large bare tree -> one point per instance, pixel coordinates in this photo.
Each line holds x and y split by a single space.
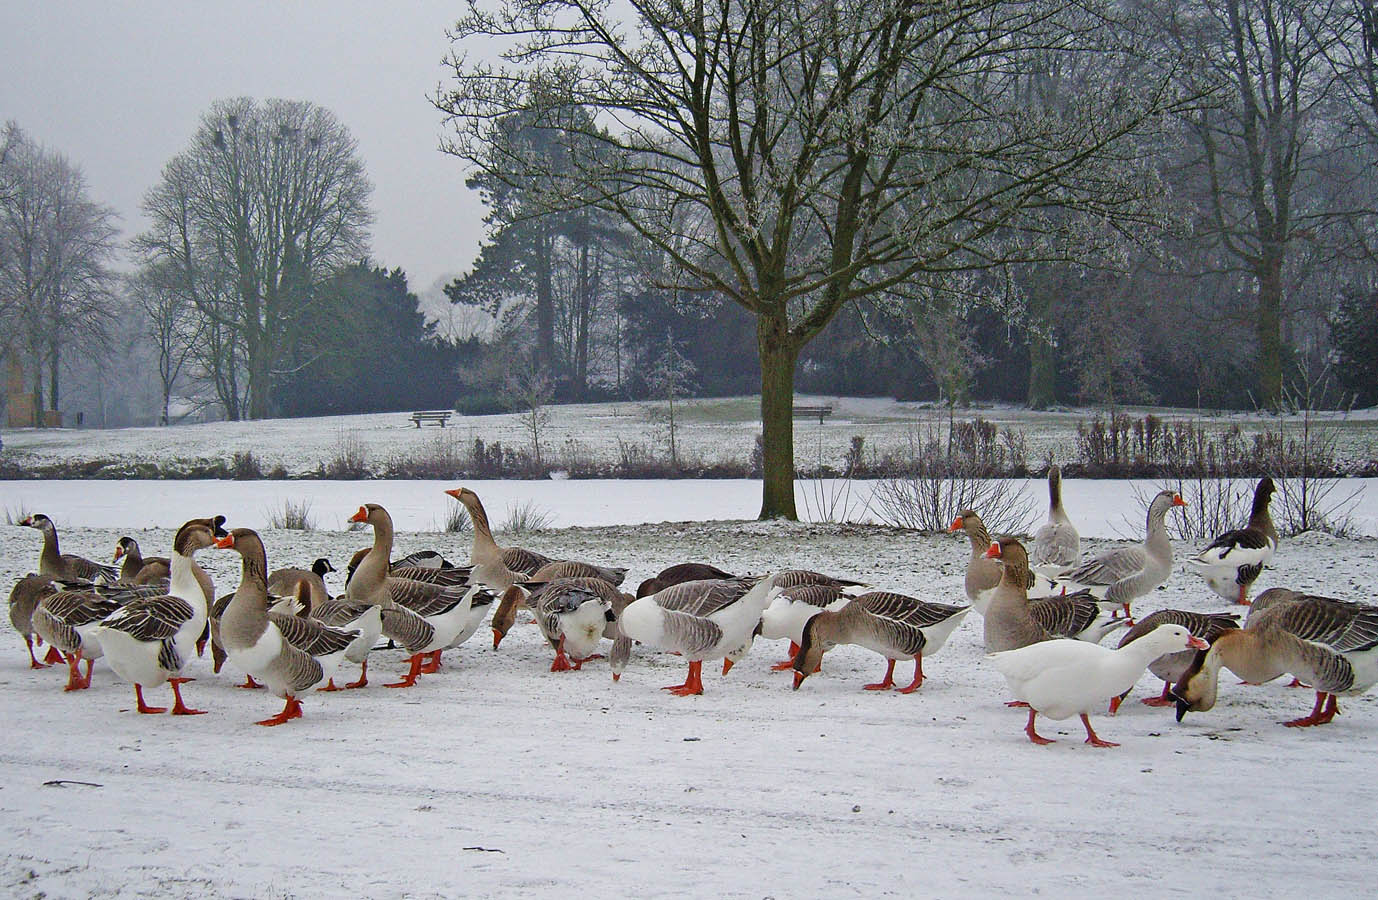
798 155
267 200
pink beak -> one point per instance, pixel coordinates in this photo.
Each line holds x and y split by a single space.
1197 643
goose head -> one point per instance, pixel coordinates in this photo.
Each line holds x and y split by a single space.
811 647
464 495
965 521
1164 501
1195 691
1012 556
38 521
126 546
322 566
195 534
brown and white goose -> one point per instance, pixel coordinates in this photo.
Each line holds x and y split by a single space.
65 566
1172 666
893 625
1124 574
283 582
289 654
148 641
1330 644
492 564
24 599
574 615
421 617
983 574
1232 562
66 620
1013 620
136 569
1056 544
516 596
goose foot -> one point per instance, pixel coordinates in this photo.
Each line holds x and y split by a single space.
918 677
1091 737
886 683
1296 682
1243 595
561 662
433 666
53 657
1016 704
144 707
179 708
410 678
1163 699
1034 736
33 660
784 664
329 686
693 684
363 676
1321 713
249 683
74 680
578 661
291 711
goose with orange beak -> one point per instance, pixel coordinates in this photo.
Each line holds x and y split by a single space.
1124 574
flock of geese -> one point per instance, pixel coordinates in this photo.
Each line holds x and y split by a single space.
1045 611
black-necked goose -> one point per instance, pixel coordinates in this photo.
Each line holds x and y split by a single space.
1330 644
1127 573
138 569
1056 544
283 582
1232 562
893 625
289 654
65 566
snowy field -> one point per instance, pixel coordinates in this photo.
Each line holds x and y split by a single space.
712 431
496 777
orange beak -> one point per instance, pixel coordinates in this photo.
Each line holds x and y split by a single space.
453 492
225 542
798 679
726 665
993 552
360 516
497 638
957 524
119 551
1178 501
1115 704
616 676
1197 643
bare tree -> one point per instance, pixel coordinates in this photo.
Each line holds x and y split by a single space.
263 205
797 155
171 324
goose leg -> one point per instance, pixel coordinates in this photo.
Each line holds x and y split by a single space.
180 708
918 676
1243 595
1163 699
74 682
144 707
1332 709
886 683
54 656
784 664
561 662
363 676
1091 736
86 681
433 666
577 663
692 684
1314 718
249 683
1034 735
410 678
33 660
292 710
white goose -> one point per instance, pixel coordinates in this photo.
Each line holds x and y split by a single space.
1061 679
699 620
792 609
148 641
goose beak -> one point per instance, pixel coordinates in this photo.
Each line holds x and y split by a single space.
993 552
497 638
798 679
1182 708
726 666
616 677
453 492
956 525
27 520
225 542
1178 501
360 516
1197 643
119 551
1115 704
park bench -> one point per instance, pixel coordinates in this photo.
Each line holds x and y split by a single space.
438 416
822 412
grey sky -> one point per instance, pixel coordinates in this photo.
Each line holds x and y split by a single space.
119 87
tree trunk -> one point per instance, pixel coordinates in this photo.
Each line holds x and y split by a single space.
545 304
779 354
1269 328
1042 360
53 359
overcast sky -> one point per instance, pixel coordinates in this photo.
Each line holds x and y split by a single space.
118 87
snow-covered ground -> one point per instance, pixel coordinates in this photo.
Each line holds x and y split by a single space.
496 777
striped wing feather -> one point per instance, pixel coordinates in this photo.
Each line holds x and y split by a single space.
316 638
152 618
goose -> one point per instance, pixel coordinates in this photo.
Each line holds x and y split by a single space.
289 654
678 574
1013 620
423 618
1126 573
488 559
893 625
148 641
24 598
283 582
1171 666
1060 679
65 566
1330 644
699 620
408 567
66 620
1232 562
136 569
574 615
983 574
516 594
1057 542
792 609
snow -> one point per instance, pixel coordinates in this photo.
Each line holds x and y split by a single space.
498 777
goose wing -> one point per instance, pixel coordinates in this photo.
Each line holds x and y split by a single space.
340 611
690 633
422 598
1110 567
526 562
1065 616
447 576
312 636
819 595
703 598
1339 625
151 618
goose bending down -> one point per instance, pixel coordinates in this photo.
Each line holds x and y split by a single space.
1057 542
485 554
1012 620
283 582
893 625
1330 644
1126 573
136 569
65 566
792 609
699 620
574 615
1061 679
289 654
149 640
1232 562
67 620
1172 666
24 599
983 574
423 618
678 574
516 595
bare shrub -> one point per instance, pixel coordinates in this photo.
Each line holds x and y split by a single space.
831 499
1214 505
292 515
244 466
526 518
456 519
349 460
16 514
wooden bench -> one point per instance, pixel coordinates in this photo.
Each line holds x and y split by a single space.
438 416
822 412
